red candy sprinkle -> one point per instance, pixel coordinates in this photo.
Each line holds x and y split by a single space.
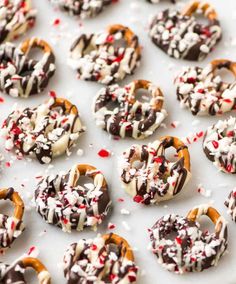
178 240
215 144
200 134
110 39
56 22
228 101
8 164
230 133
111 226
65 221
132 278
112 277
52 94
12 225
1 100
206 32
138 199
201 91
158 160
93 247
118 58
31 250
191 80
120 200
103 153
229 168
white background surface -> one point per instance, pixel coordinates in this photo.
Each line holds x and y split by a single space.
159 68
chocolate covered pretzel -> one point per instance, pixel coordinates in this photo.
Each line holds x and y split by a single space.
204 92
106 57
149 177
219 145
44 132
62 201
21 76
230 203
105 259
15 273
129 117
180 35
16 17
192 250
11 227
82 8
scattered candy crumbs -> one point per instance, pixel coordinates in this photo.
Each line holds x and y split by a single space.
7 164
120 200
103 153
56 22
52 94
124 211
193 137
80 152
203 191
111 226
175 124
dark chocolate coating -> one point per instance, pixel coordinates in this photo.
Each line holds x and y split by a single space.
122 112
125 269
181 255
82 8
202 35
30 77
59 190
15 16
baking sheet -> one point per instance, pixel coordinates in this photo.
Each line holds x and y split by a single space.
159 68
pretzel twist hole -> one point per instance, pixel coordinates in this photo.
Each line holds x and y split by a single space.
157 96
180 147
35 264
17 202
129 36
207 9
224 63
126 250
211 212
29 44
67 106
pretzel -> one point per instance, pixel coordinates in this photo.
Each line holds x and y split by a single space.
219 145
157 179
97 58
129 37
126 251
192 250
16 18
204 92
44 132
29 44
105 259
211 212
82 8
129 117
205 7
180 35
11 227
230 203
21 76
15 273
61 201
